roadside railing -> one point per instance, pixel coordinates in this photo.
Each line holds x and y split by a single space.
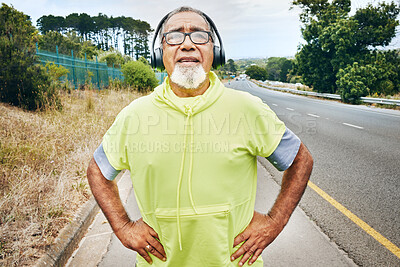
370 100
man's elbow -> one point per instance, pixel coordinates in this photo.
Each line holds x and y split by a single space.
90 168
93 172
304 160
309 161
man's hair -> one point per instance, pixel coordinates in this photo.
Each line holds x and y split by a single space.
180 10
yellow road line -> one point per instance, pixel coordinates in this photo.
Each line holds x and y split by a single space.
377 236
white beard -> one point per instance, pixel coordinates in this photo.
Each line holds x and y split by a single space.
188 77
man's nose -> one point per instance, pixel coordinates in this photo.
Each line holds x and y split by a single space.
187 43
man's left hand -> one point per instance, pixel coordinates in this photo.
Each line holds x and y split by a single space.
261 231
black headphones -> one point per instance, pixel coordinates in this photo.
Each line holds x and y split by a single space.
157 54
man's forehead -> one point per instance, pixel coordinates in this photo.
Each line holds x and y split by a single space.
184 20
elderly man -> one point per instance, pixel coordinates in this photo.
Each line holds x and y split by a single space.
191 147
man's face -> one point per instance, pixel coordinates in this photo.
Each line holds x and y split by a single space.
187 54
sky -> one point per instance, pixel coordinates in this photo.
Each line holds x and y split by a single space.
249 28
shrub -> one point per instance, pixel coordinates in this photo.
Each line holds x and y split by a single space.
55 71
43 94
139 75
353 82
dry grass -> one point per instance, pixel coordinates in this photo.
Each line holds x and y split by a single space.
43 161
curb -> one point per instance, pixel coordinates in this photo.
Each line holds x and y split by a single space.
68 240
70 236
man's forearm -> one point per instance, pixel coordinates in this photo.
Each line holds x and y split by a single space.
263 229
137 235
107 196
294 183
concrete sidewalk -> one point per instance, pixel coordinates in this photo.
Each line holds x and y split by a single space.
300 244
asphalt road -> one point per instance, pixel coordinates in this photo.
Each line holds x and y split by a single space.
356 152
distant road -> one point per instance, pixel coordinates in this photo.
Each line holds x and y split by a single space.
356 152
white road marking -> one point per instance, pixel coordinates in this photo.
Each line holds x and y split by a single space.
275 105
313 115
290 109
352 125
328 103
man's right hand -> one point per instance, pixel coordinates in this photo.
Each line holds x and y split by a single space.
140 237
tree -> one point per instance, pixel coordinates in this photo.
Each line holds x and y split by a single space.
51 23
51 39
85 26
278 68
231 66
72 22
113 58
102 24
140 33
377 25
23 83
66 43
257 73
105 32
335 41
386 72
286 67
314 58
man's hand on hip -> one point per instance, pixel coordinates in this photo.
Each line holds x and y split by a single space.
261 231
140 237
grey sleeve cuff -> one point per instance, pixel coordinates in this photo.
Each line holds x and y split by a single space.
284 154
105 167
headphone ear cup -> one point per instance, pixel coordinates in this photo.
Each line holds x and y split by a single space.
222 56
158 59
152 59
219 57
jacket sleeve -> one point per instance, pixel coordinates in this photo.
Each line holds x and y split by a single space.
113 151
283 156
266 129
108 171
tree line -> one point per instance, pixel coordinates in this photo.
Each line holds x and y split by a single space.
343 53
26 83
103 31
274 69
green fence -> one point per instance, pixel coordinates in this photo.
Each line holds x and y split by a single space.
161 76
81 71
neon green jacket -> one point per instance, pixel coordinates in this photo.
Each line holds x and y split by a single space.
193 167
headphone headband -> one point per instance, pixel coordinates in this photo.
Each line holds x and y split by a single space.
157 54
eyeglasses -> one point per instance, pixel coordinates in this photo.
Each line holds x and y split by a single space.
177 38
